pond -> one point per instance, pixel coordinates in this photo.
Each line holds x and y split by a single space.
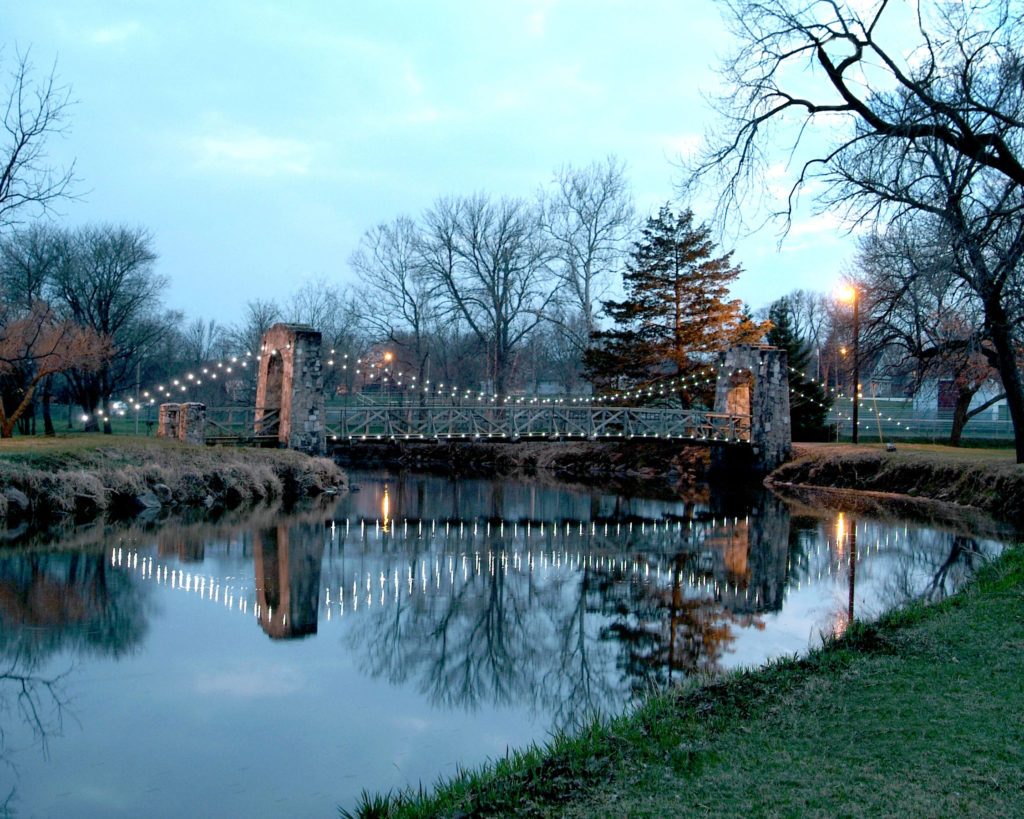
277 664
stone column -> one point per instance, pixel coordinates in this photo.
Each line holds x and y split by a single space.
169 423
753 378
291 382
192 423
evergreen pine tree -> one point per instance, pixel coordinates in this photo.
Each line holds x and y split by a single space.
808 401
676 313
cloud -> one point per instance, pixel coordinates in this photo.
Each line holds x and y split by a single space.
247 151
827 223
275 681
680 146
535 23
114 34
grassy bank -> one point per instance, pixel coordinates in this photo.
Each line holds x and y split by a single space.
985 479
918 714
87 476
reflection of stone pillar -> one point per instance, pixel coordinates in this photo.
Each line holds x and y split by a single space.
169 415
769 553
287 566
174 545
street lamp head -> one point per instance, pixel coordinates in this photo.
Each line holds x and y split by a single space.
847 293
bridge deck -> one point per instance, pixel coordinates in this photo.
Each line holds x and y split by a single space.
487 422
506 423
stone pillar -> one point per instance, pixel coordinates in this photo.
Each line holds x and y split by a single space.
168 426
183 422
290 390
192 423
753 378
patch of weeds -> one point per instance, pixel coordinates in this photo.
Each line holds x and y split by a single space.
373 806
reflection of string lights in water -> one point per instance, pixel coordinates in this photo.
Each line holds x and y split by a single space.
450 555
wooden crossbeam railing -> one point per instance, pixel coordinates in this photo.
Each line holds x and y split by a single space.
241 423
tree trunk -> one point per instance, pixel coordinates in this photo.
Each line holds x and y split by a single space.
91 422
1002 340
960 415
47 417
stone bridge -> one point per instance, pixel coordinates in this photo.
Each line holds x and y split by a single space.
751 410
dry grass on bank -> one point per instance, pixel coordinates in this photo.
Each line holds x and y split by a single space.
986 479
86 476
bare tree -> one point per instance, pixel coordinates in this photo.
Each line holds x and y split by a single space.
28 260
33 109
492 263
919 305
202 341
936 128
260 315
589 219
399 300
315 303
105 282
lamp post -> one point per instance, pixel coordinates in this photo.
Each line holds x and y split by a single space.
850 294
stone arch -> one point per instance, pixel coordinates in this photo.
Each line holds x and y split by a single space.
291 380
740 387
756 376
268 411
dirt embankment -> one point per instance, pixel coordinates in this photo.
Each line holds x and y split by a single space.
576 460
911 475
122 477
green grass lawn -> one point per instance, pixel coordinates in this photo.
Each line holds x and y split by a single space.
937 453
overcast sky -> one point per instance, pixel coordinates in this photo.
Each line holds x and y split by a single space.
257 141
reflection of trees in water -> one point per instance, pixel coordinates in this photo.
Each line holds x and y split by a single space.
661 629
68 602
931 565
479 643
576 639
913 562
51 603
29 697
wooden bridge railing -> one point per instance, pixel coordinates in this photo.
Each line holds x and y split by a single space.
515 423
241 423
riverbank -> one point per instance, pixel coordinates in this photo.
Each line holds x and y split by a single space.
915 714
909 477
935 480
635 459
86 477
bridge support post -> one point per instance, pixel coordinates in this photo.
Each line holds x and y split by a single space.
183 422
291 378
753 379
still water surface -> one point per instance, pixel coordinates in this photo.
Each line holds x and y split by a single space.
278 665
